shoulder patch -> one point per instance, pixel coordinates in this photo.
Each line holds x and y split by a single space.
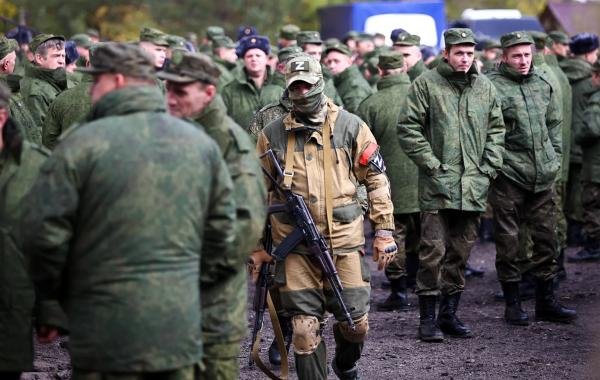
371 157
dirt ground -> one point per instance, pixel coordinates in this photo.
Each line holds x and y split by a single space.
541 350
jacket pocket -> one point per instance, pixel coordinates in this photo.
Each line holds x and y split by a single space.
347 213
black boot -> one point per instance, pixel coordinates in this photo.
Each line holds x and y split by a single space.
447 319
575 235
561 274
428 327
286 329
349 374
590 252
513 314
397 300
486 230
547 307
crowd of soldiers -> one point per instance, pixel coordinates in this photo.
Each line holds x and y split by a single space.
133 200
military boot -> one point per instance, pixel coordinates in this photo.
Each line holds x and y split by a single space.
349 374
513 314
428 327
547 307
286 329
397 300
561 274
590 252
447 319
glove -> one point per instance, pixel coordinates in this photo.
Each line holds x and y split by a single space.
384 248
255 261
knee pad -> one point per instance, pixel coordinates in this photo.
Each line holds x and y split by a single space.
306 334
358 335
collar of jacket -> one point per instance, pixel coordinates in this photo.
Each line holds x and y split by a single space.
448 72
551 59
513 74
285 100
56 77
213 114
245 79
290 123
576 69
417 69
228 65
538 59
393 80
130 99
348 74
12 81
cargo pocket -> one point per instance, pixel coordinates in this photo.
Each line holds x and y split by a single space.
347 213
364 267
279 279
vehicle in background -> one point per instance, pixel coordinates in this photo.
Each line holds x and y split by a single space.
493 23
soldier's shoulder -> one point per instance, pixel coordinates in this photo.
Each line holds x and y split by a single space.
240 137
36 150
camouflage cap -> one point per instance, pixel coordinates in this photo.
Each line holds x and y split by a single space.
7 46
122 58
155 36
175 41
339 47
93 32
82 40
351 35
303 68
284 54
41 38
559 37
192 67
490 44
407 39
289 32
309 37
331 42
214 31
364 37
4 95
539 39
390 60
459 36
223 42
516 38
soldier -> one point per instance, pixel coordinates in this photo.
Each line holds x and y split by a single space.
349 83
364 46
560 44
524 190
45 78
297 139
83 43
282 57
154 42
490 54
253 89
584 47
192 94
380 112
19 165
287 36
119 217
589 138
225 58
408 45
452 128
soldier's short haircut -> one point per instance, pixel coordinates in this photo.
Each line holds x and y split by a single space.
53 43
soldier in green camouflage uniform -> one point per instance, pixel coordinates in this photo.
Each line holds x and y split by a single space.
19 166
192 94
524 191
451 126
119 217
380 112
223 49
282 57
408 45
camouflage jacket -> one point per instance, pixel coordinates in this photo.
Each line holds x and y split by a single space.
19 112
589 138
69 107
352 88
418 69
354 161
269 113
119 217
39 88
225 69
224 303
454 136
533 117
18 171
243 99
380 112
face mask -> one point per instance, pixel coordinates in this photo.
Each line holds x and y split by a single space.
310 103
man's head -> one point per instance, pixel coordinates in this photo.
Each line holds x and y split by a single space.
490 49
154 42
83 42
311 43
213 32
364 44
287 35
94 34
305 84
285 55
585 46
540 41
48 51
224 48
379 40
338 58
408 45
191 84
8 55
350 40
391 63
517 51
460 48
560 43
117 65
254 50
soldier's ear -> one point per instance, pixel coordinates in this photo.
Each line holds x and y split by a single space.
211 90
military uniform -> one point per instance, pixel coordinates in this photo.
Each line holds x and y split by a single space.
407 39
119 217
452 128
269 113
352 88
225 67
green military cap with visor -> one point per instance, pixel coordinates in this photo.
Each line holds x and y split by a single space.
364 37
309 37
490 44
540 39
155 36
192 67
7 46
389 60
407 39
516 38
339 47
303 68
559 37
289 32
120 58
214 31
41 38
223 42
82 40
175 41
459 36
284 54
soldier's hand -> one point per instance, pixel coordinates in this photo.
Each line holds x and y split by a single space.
255 261
384 248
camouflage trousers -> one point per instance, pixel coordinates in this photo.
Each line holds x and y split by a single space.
514 207
406 235
221 361
573 206
447 237
591 213
184 373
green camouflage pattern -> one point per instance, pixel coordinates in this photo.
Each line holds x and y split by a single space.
19 113
69 107
352 88
39 88
269 113
117 220
225 68
221 361
455 137
533 117
380 112
591 213
418 69
589 138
